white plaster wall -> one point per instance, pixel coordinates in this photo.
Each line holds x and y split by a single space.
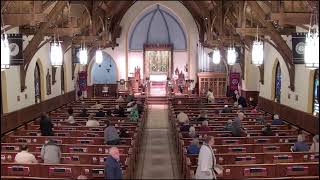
121 55
135 58
251 75
302 81
27 97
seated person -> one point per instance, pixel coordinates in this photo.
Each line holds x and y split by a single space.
46 125
194 147
226 109
182 117
119 111
210 96
109 112
216 113
70 118
315 144
203 115
236 128
192 132
100 113
260 119
123 133
111 136
254 110
235 104
276 120
228 125
242 101
131 105
120 99
205 126
300 145
92 122
134 114
130 97
24 157
51 153
267 131
84 113
97 105
185 127
251 102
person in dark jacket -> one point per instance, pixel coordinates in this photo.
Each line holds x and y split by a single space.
123 133
242 101
185 127
100 113
276 120
84 113
112 167
119 111
267 131
46 125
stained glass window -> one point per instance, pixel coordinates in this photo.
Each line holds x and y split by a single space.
316 93
278 83
62 79
37 86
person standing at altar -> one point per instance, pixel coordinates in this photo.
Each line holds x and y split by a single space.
210 96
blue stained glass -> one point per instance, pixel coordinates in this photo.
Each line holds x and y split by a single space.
278 83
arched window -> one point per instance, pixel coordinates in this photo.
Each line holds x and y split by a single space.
62 79
278 83
37 85
315 108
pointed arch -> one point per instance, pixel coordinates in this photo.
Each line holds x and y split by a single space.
42 80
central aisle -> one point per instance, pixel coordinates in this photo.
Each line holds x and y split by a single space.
157 157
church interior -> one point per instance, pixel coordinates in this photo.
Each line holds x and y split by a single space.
191 89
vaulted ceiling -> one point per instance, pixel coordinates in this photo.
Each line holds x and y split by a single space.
97 23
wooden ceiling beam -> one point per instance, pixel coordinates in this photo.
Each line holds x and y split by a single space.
24 19
291 18
31 48
52 31
282 46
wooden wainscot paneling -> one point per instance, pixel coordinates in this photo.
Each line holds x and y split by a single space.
248 94
15 119
302 119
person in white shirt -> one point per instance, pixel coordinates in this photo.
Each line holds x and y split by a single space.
120 99
182 117
97 105
315 145
210 96
206 160
70 118
24 156
92 122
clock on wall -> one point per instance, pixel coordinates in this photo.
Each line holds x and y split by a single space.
14 49
300 47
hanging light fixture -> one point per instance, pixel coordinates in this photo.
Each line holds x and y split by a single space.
99 56
232 56
5 49
311 49
83 55
216 56
257 51
5 52
56 54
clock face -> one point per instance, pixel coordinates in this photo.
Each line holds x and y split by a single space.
14 49
300 48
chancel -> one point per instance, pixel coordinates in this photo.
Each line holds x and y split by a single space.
159 89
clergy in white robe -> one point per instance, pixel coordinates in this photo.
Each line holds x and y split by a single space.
210 96
206 162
